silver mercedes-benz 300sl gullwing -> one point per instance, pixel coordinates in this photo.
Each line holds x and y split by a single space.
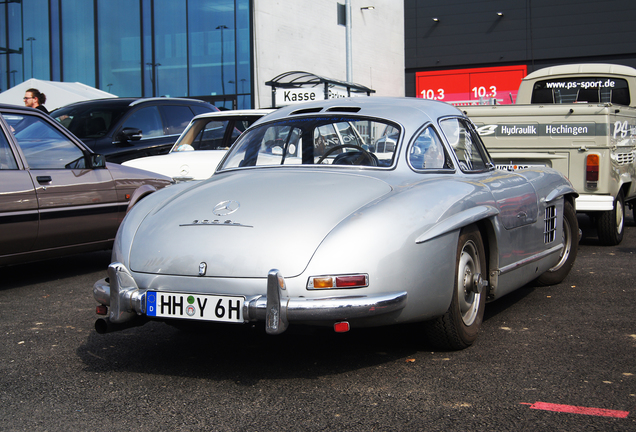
347 213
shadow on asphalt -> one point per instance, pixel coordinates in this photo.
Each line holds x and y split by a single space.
245 354
500 305
60 268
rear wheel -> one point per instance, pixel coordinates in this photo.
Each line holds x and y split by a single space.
570 248
611 224
459 326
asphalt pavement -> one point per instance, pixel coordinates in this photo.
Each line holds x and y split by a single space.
559 358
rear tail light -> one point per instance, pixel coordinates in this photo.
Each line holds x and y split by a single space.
351 281
336 282
592 162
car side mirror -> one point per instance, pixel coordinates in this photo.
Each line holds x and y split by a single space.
127 135
97 161
87 162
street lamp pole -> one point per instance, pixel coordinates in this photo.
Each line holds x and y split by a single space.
348 36
31 39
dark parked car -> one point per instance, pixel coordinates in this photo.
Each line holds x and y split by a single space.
57 197
128 128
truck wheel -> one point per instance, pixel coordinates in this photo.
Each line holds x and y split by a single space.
611 224
557 273
459 326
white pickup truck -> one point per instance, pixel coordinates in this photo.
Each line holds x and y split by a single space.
578 120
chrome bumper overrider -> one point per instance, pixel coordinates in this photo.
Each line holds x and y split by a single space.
126 300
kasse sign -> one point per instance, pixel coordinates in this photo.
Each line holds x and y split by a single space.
298 95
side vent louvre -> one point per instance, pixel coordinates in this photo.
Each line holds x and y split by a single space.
625 158
549 227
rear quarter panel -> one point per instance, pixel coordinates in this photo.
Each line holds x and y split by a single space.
381 240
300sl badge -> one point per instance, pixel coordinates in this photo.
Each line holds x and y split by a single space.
203 267
215 222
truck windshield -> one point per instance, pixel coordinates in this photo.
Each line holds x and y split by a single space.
581 90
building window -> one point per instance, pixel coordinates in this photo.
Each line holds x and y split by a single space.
78 42
196 48
119 47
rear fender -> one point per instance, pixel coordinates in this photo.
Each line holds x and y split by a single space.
457 221
482 217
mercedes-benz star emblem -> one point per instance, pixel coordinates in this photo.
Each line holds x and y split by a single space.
225 208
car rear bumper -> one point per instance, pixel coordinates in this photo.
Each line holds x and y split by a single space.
127 301
585 203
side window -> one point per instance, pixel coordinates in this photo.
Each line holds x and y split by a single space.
177 118
7 160
466 144
211 137
427 151
148 120
43 146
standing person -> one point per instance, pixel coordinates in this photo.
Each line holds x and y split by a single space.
34 99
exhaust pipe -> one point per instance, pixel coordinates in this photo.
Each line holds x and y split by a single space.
104 325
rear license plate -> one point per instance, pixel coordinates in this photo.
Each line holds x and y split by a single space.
195 306
515 167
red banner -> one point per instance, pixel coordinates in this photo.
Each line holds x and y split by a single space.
471 86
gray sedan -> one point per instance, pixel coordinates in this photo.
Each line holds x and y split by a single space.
57 197
312 218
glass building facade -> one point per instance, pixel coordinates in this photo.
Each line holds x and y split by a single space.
193 48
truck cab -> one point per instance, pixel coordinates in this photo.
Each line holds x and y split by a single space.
578 119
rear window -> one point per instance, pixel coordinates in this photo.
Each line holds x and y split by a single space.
344 141
581 90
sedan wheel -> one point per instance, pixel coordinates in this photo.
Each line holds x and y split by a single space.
459 326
